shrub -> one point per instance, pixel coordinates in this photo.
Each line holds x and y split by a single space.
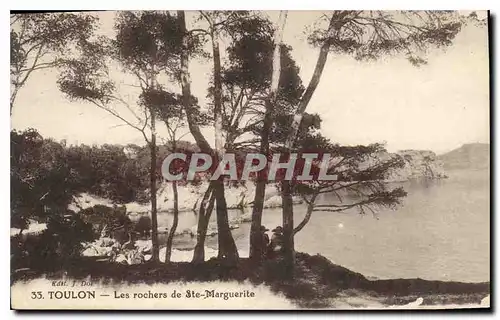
59 244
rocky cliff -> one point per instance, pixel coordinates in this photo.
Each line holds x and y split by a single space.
189 198
418 164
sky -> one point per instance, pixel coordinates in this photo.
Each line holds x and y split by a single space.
438 107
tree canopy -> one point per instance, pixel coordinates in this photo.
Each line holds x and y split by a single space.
44 40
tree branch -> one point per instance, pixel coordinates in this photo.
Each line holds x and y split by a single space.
116 115
32 66
310 208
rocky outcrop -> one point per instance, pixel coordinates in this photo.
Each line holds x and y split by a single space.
418 164
138 253
34 228
189 199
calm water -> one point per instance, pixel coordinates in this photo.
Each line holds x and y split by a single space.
442 232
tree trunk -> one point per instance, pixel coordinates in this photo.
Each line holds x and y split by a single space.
152 174
186 91
196 132
313 84
256 245
13 96
219 143
203 218
168 253
310 208
227 246
288 243
224 232
289 249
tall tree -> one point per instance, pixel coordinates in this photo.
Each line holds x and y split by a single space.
367 35
246 80
218 23
147 46
191 112
43 40
227 246
238 102
246 76
168 107
256 245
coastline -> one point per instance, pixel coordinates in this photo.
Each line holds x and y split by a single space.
318 283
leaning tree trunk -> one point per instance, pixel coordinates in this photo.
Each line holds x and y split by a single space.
194 129
13 96
307 217
313 84
204 214
152 174
224 232
256 245
227 247
286 196
168 253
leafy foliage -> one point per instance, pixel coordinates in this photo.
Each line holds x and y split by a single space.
109 172
45 175
106 219
152 38
361 177
57 245
246 78
86 76
44 40
368 35
42 182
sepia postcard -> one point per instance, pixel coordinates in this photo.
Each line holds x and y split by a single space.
250 160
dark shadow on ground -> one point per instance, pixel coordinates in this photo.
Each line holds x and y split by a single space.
317 282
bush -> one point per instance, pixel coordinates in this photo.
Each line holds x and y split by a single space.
107 219
143 226
57 245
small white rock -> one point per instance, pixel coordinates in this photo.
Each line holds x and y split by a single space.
485 302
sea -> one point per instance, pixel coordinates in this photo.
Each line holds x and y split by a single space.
441 231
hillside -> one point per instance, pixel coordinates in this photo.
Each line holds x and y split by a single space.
474 156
